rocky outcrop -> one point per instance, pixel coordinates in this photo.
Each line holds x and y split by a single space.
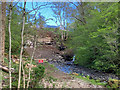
46 40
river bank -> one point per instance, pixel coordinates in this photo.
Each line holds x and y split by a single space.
93 74
54 78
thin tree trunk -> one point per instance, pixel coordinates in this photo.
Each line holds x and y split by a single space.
67 34
0 44
62 36
35 38
3 28
21 52
9 29
23 75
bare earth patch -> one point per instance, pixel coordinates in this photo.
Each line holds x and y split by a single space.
63 80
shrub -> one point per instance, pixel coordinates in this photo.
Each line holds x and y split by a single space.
36 75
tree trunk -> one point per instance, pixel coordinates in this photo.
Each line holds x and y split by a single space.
23 75
118 36
62 36
21 52
0 43
31 61
3 28
9 29
67 34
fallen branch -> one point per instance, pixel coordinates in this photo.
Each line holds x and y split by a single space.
6 69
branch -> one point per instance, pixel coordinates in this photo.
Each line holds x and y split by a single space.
74 5
35 13
32 4
36 8
5 68
78 19
16 4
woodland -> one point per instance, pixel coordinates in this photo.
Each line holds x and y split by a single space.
90 31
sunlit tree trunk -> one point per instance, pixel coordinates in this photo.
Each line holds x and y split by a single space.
21 52
35 38
0 44
9 29
62 37
23 75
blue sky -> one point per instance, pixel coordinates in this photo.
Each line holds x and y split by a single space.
46 12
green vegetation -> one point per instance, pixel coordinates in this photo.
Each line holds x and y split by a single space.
112 83
92 81
51 79
16 32
93 37
96 43
37 74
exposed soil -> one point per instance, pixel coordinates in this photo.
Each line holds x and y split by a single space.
63 80
43 51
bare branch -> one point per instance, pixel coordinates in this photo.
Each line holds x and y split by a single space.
78 19
37 8
32 4
74 5
16 4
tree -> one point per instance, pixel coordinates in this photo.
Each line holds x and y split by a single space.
25 12
1 55
61 17
35 40
21 52
9 29
95 42
3 28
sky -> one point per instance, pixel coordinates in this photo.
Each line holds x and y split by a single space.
45 11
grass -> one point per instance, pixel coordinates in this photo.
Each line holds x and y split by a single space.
112 83
52 66
92 81
50 78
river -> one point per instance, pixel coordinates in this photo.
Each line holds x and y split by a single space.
93 74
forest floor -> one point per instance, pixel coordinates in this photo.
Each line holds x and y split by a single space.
55 78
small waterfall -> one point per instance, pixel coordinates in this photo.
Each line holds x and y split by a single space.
73 58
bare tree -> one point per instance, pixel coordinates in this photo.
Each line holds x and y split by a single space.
1 59
80 9
58 9
21 52
35 38
3 28
9 29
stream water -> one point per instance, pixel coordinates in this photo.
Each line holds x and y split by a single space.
69 67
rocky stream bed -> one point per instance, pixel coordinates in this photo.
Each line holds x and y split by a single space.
63 65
